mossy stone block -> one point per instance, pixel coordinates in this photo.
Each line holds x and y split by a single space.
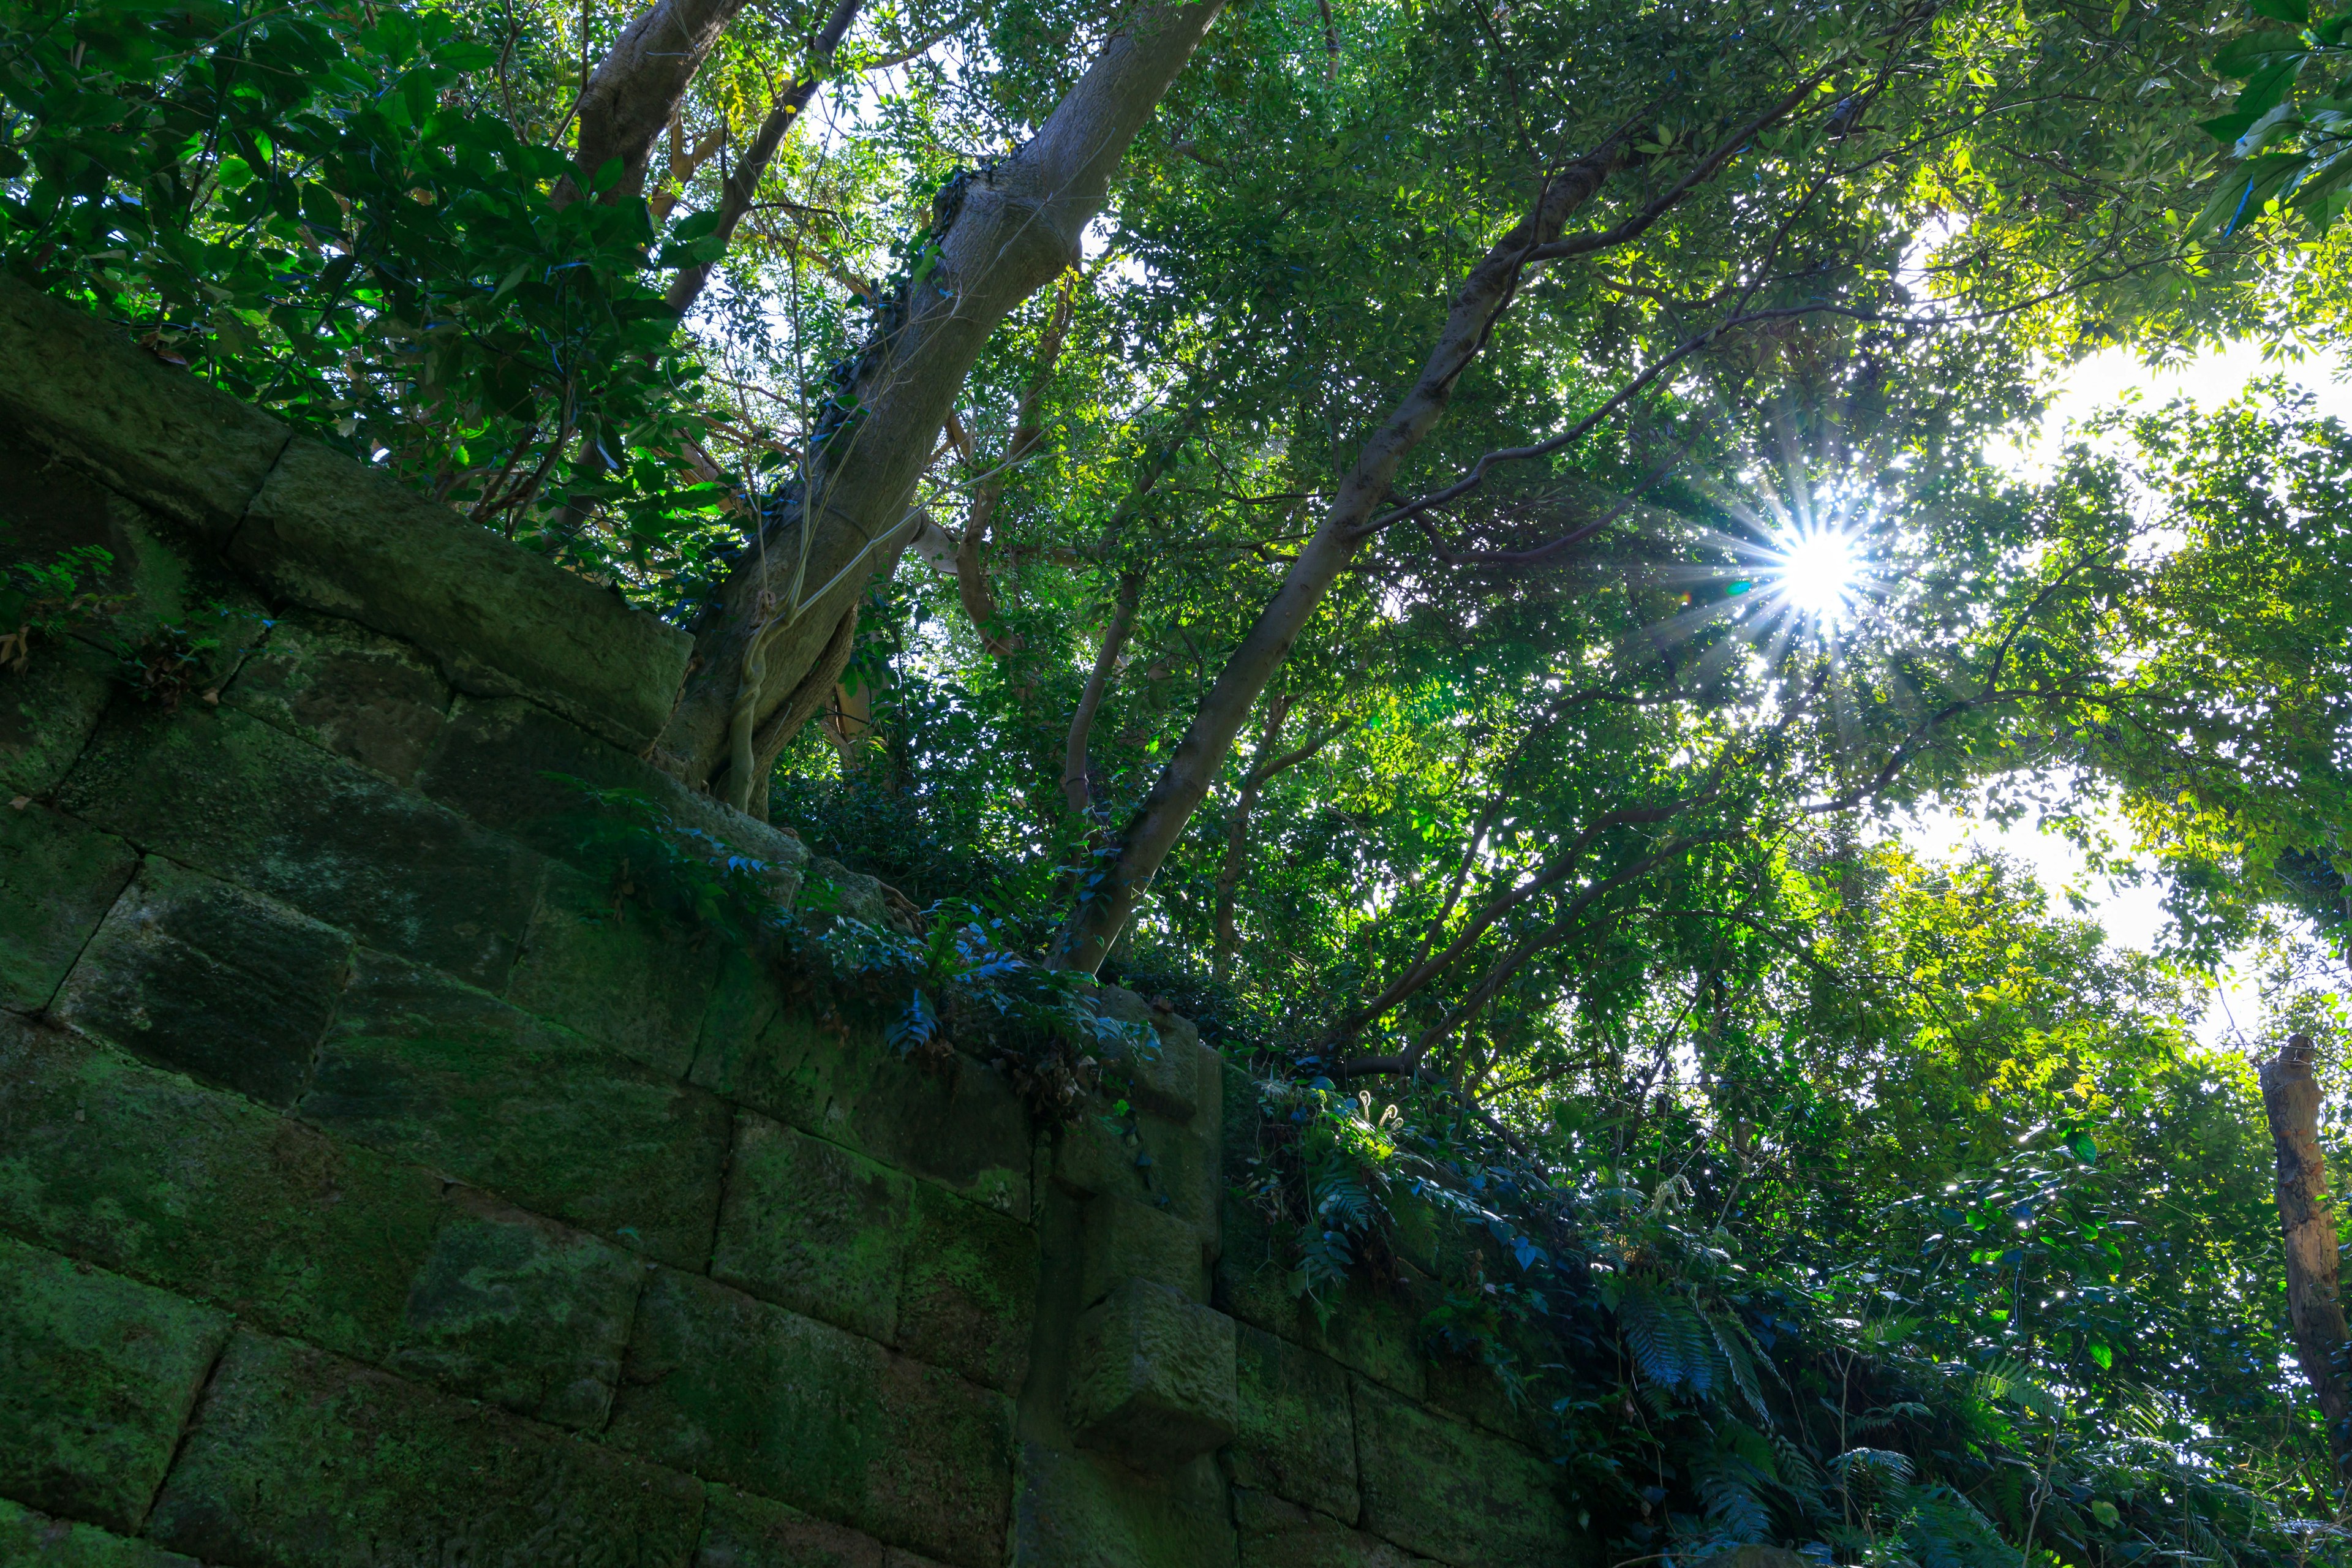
346 689
97 1376
205 1194
1129 1240
75 383
302 1459
1372 1329
331 535
30 1540
800 1412
740 1530
809 1225
1077 1507
969 1295
226 793
1152 1378
1275 1534
519 768
48 711
523 1313
1294 1433
1449 1490
221 984
438 1074
58 879
616 972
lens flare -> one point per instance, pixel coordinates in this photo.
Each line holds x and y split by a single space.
1816 573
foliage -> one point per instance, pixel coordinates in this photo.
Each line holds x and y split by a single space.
43 601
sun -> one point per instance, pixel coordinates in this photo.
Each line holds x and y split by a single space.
1816 571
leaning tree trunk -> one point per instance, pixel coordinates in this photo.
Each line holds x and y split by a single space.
2291 1100
998 235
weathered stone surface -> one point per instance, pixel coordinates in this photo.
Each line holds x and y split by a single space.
1294 1433
347 689
211 980
441 1075
1152 1378
1449 1491
738 1391
47 715
29 1540
513 766
520 1311
960 1125
740 1530
1182 1167
57 879
1083 1507
809 1225
301 1460
226 793
1163 1069
1374 1329
1278 1534
970 1294
331 535
205 1194
833 889
616 972
75 384
97 1375
1129 1240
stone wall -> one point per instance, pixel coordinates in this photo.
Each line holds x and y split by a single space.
375 1188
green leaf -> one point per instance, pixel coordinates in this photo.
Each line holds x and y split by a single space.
2293 13
2244 57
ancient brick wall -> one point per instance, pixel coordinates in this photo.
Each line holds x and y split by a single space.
375 1191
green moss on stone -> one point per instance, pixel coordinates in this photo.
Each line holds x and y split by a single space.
198 975
616 972
440 1074
57 879
346 689
1294 1436
29 1540
1278 1534
969 1295
301 1460
809 1225
205 1194
1082 1508
96 1375
800 1412
1449 1490
520 1311
227 793
739 1530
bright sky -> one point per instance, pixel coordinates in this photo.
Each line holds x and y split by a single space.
2131 915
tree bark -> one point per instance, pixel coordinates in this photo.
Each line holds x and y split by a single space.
636 89
2308 1220
998 235
1105 907
1076 790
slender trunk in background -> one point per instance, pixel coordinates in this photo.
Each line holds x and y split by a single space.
998 235
1077 789
2308 1220
1229 875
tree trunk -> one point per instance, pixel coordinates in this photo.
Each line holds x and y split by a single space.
2291 1100
635 91
1106 907
998 235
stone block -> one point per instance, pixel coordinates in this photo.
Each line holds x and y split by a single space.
523 1313
206 1195
1449 1490
1152 1378
970 1292
1372 1329
809 1225
229 794
800 1412
1128 1241
76 385
57 879
30 1540
1162 1066
331 535
345 690
512 766
1080 1508
47 715
1294 1433
97 1376
1279 1534
215 981
438 1074
302 1459
616 973
1182 1165
1096 1154
740 1530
